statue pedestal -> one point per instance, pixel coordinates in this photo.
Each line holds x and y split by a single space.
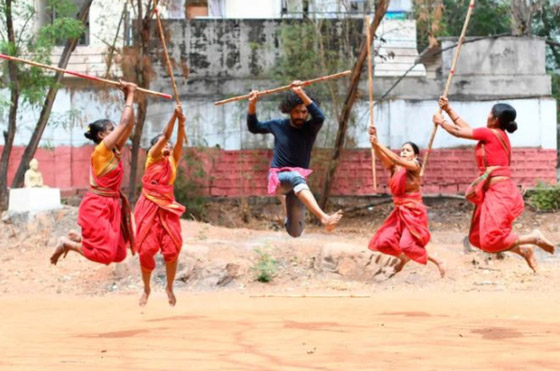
34 199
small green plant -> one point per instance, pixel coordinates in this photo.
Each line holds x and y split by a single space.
544 197
266 266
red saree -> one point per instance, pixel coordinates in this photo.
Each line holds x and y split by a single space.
104 213
497 205
406 229
157 214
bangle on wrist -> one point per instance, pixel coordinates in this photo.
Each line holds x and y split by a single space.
128 105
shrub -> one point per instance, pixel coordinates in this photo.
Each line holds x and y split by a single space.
266 266
544 197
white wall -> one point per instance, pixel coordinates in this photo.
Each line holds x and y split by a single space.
253 9
225 126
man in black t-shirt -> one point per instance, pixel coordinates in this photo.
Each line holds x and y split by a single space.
293 141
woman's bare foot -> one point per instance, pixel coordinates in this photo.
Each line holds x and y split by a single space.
330 221
527 253
402 260
59 250
171 297
75 236
144 298
442 268
543 242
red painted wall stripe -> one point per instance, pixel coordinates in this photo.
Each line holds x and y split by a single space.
237 173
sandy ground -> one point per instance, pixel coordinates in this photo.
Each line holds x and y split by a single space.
410 329
487 313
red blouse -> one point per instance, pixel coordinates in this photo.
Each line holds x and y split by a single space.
490 148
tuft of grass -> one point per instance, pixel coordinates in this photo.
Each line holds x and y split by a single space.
266 266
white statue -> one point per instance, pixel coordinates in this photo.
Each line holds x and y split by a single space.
33 177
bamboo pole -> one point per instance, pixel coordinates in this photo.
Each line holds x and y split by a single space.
286 87
448 84
81 75
168 61
305 296
370 81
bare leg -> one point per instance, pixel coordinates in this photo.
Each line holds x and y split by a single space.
526 252
171 269
62 247
75 236
329 221
440 265
535 238
146 278
403 259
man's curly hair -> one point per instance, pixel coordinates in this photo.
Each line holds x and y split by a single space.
291 100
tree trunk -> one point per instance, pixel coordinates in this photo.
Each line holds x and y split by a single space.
49 101
380 10
143 70
12 118
522 15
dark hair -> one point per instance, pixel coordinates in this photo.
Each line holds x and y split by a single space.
155 140
291 100
506 116
415 149
95 128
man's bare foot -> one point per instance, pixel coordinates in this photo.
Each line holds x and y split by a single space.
330 221
527 253
75 236
171 297
543 242
59 250
144 298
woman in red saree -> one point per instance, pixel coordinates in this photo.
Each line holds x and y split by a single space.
404 234
495 196
104 213
156 212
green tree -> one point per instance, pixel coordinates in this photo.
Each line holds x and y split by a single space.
28 86
437 18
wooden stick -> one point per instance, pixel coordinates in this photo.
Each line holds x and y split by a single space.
168 61
370 80
81 75
286 87
448 84
304 296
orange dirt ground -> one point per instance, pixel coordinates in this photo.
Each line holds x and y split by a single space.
487 313
404 329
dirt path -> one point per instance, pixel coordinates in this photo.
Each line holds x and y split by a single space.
487 313
404 329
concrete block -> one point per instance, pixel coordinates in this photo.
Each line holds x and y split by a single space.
34 199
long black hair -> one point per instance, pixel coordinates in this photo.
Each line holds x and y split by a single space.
291 100
96 127
506 116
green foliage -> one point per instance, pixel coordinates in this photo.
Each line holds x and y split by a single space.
544 197
314 48
546 24
555 81
490 17
37 46
190 182
446 18
266 267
